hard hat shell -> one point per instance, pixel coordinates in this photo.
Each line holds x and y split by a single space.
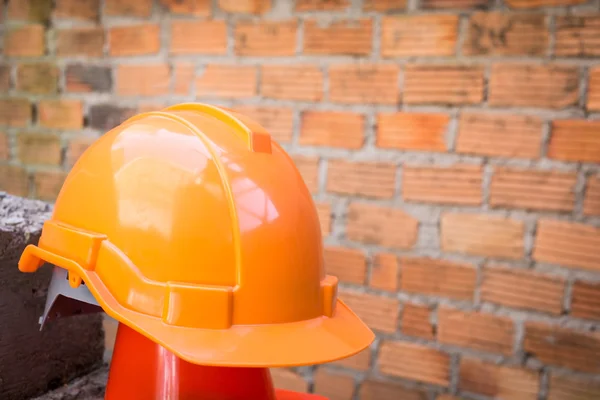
195 229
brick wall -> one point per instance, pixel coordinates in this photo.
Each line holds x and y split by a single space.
452 147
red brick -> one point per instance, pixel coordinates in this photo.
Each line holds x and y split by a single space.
415 321
542 3
360 361
577 36
48 184
188 7
143 79
384 5
543 86
435 277
36 148
369 179
333 385
198 37
288 380
324 212
309 169
379 313
414 362
39 78
321 5
371 83
385 272
232 81
575 140
383 226
86 10
266 38
14 180
5 83
572 388
60 114
523 289
499 135
138 8
15 112
482 235
349 265
419 35
4 147
377 390
593 93
585 300
80 42
443 84
84 78
591 204
278 121
499 382
504 34
332 128
245 6
25 41
76 148
105 116
412 131
351 37
570 244
150 106
292 82
184 74
530 189
134 40
479 331
29 10
563 347
459 184
440 4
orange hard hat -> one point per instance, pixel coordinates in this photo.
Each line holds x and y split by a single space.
193 227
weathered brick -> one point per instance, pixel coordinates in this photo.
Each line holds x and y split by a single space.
415 362
435 277
575 140
86 10
563 347
440 4
585 300
593 92
479 331
333 385
349 265
5 81
106 116
245 6
383 226
459 184
76 147
40 78
38 148
385 272
4 147
412 131
143 79
14 180
278 121
266 38
292 82
134 40
369 179
351 37
309 169
29 10
183 78
384 5
499 382
288 380
138 8
364 83
530 189
378 390
321 5
88 78
419 35
591 204
332 128
198 37
144 107
232 81
542 3
24 41
523 289
379 313
324 212
577 36
504 34
15 112
415 321
499 135
570 244
47 184
360 361
443 84
80 42
189 7
524 85
60 114
572 388
482 235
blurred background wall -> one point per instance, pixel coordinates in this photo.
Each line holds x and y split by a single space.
452 147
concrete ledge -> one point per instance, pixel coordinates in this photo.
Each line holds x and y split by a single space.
90 387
